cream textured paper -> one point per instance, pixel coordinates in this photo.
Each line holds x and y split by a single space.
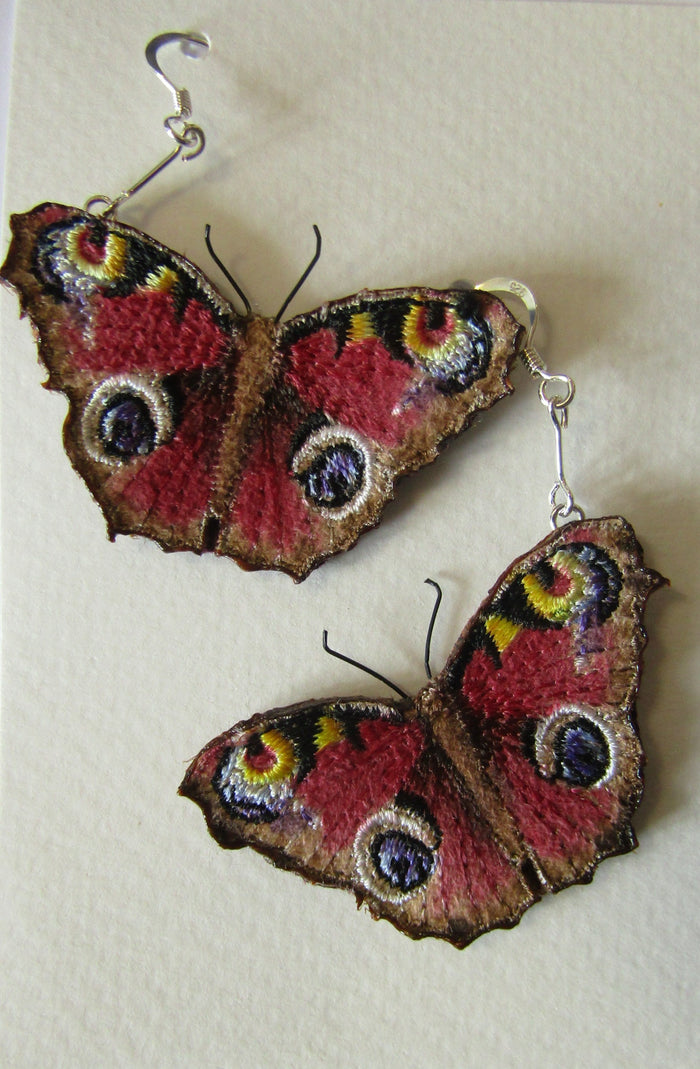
429 141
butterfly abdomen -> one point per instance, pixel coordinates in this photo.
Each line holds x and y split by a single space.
257 369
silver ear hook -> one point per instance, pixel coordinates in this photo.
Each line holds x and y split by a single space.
520 290
556 393
188 136
562 389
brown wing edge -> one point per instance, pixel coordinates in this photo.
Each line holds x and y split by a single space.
620 838
412 458
33 302
40 307
203 794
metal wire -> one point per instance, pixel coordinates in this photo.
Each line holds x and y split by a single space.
189 138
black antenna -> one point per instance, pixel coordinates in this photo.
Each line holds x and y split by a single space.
302 280
226 272
362 667
431 625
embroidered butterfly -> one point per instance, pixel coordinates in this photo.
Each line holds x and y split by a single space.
513 773
276 444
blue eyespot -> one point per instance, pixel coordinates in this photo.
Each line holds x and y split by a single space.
578 746
334 466
126 417
582 753
403 861
126 427
396 849
335 476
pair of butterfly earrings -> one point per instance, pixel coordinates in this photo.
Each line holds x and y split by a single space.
516 770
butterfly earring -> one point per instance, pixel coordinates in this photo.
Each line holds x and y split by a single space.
510 775
274 443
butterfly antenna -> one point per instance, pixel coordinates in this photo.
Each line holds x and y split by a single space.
362 667
303 278
226 272
431 625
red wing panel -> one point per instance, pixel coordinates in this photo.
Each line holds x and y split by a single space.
146 332
172 486
369 389
353 778
346 793
360 386
142 345
547 672
269 515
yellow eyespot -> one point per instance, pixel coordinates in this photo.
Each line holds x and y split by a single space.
267 758
431 342
104 262
557 607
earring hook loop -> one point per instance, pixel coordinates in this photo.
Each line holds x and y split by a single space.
189 138
181 97
556 392
185 133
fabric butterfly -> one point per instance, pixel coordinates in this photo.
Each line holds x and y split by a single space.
273 443
513 773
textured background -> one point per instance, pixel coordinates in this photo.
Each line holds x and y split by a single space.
429 141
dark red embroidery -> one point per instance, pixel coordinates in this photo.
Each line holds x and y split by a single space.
275 444
510 775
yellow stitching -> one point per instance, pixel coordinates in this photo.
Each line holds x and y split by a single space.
112 264
162 280
502 631
328 730
284 763
416 341
361 327
556 607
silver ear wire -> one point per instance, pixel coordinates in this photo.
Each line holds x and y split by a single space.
556 393
186 134
189 137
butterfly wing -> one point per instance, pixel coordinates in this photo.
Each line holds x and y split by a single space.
351 793
544 681
370 389
204 430
144 348
514 773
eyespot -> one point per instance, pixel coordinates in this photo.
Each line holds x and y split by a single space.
577 746
579 581
81 256
453 349
333 467
127 416
395 853
256 778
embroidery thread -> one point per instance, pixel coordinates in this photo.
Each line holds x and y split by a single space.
276 444
511 775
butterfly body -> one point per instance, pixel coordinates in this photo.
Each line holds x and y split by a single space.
511 774
276 444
